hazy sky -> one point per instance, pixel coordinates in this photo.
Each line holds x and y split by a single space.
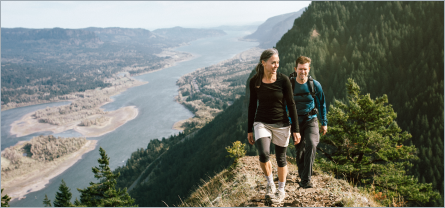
140 14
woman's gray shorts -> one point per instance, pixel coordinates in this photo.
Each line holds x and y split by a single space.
279 135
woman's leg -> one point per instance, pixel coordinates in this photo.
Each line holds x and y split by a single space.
263 146
280 153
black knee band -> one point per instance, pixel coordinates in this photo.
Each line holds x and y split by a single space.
263 146
280 153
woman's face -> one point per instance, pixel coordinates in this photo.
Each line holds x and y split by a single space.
271 65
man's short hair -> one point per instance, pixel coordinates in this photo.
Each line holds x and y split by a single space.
302 60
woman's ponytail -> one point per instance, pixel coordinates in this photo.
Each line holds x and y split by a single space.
259 74
260 68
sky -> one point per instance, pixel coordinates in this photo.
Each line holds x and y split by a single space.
141 14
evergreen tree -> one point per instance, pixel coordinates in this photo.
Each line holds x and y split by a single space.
5 200
104 193
384 47
77 203
63 197
365 144
47 202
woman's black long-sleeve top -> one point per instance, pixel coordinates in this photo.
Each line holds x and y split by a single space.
271 107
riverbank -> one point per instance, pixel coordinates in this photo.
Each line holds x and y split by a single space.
177 56
174 57
29 125
42 172
222 83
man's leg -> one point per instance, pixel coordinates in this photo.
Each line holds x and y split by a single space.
312 137
300 153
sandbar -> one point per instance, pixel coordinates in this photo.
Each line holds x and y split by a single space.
18 187
178 125
29 125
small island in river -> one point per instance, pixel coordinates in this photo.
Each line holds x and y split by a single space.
30 165
83 115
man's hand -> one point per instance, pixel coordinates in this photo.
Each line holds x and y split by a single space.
324 129
250 138
297 137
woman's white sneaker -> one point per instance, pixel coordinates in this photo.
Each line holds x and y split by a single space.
270 190
279 196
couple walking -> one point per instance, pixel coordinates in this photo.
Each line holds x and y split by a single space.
270 93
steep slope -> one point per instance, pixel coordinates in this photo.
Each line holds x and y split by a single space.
271 31
185 164
393 48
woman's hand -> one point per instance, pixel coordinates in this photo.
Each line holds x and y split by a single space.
250 138
297 138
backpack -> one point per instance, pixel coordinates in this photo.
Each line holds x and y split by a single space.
310 82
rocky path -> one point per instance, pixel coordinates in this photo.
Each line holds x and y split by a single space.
327 191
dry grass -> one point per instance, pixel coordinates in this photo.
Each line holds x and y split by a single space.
227 189
244 186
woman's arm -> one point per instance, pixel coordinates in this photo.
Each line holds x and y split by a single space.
287 93
252 105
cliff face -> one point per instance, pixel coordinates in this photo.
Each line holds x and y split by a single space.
271 31
245 186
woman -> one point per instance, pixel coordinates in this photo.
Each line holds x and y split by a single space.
272 90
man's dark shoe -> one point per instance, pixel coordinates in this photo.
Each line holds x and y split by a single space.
306 185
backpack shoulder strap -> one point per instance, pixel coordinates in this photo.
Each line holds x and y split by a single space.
312 89
311 86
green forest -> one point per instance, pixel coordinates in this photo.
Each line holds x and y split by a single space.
392 48
388 48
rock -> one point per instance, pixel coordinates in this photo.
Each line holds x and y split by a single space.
217 200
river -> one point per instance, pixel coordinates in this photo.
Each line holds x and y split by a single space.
158 111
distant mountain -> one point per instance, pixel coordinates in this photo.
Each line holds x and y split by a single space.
92 37
13 37
127 35
251 27
273 29
181 34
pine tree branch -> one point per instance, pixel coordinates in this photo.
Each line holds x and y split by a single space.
327 155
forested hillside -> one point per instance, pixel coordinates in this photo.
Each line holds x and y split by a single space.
393 48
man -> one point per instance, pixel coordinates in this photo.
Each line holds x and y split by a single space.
310 101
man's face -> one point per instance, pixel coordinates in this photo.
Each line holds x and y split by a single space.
302 71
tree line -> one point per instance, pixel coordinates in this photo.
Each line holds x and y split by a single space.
392 48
